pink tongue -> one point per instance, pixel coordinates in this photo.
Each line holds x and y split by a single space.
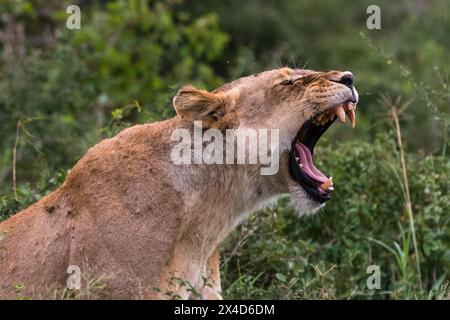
308 166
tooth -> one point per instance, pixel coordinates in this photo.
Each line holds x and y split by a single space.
327 184
301 165
352 117
297 159
340 114
349 106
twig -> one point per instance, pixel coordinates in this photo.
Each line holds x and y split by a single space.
16 143
20 126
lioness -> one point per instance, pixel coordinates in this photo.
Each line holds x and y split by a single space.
129 218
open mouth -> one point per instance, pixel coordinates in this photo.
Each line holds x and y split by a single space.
317 184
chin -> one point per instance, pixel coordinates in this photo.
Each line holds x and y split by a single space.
302 202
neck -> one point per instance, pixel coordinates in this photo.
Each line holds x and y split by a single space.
216 197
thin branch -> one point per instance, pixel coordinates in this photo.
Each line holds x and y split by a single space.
16 143
20 126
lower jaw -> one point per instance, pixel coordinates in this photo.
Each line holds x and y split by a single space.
310 187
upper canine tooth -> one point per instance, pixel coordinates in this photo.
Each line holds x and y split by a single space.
352 117
340 114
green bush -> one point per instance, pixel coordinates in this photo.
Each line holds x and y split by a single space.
146 50
56 94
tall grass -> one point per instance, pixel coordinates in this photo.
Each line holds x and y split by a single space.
394 111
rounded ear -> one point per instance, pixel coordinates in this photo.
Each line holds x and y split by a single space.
194 104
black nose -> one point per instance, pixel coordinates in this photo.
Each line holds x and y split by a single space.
347 79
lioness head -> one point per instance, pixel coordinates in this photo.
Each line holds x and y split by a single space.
302 104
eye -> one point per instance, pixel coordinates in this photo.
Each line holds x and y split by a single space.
287 82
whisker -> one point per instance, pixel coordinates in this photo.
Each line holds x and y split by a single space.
300 108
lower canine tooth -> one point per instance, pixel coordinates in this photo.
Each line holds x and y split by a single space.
327 184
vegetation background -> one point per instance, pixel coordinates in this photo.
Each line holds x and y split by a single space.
62 91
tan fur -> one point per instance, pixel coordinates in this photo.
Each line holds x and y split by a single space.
127 215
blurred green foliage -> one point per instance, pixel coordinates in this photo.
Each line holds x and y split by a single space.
146 52
70 88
